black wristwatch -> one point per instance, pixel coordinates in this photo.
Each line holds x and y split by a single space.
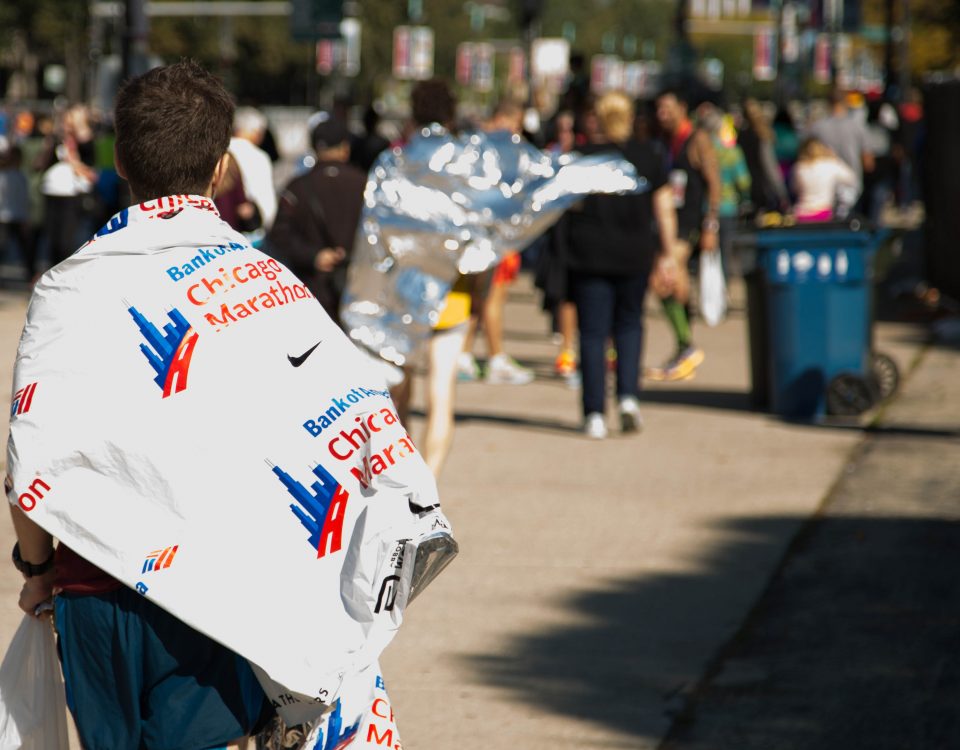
29 569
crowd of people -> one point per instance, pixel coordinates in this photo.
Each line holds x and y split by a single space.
709 167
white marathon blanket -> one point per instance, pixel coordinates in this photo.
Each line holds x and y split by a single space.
188 418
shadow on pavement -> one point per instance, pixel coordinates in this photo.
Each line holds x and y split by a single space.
632 637
510 420
856 643
708 399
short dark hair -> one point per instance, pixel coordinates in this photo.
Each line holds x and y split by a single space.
432 101
508 107
173 125
677 93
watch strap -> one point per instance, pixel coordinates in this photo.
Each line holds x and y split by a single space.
31 569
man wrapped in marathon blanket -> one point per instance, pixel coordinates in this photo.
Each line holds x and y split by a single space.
445 205
188 419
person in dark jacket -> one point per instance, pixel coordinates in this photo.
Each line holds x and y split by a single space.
318 215
612 247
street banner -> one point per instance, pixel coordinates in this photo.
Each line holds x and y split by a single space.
421 53
341 55
790 48
764 66
401 53
821 59
606 73
598 73
843 60
517 66
464 64
483 62
350 41
641 78
550 61
326 57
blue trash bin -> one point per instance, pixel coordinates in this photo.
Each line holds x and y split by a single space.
818 284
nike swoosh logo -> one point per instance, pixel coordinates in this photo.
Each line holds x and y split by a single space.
297 361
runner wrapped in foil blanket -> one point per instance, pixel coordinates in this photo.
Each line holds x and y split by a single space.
445 205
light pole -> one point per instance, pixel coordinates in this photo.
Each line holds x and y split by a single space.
136 31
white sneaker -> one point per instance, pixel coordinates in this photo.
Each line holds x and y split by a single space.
630 417
467 368
504 369
594 427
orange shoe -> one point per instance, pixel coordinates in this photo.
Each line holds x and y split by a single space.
565 364
611 359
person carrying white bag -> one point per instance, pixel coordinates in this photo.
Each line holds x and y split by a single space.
199 436
33 712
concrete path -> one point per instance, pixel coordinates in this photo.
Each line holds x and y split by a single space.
596 579
855 644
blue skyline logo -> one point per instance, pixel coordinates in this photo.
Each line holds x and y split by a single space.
169 352
321 508
337 736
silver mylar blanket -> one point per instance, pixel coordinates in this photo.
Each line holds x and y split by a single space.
444 205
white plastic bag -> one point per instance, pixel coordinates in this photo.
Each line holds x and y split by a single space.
32 703
713 288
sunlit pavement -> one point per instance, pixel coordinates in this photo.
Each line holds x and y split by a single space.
597 579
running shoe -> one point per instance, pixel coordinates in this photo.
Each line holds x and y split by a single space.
467 368
594 427
630 418
502 369
565 364
611 359
680 367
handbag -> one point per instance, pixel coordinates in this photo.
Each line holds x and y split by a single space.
713 288
32 702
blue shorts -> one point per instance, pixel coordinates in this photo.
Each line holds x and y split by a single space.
137 678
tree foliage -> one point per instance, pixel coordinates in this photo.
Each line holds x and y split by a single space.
260 61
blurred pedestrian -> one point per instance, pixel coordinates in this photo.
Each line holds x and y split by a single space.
909 143
786 141
256 169
318 215
768 191
364 149
612 247
232 202
34 146
695 181
501 368
67 183
819 177
551 265
15 205
433 109
879 185
735 179
846 136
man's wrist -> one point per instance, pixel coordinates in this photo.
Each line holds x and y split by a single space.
711 223
32 568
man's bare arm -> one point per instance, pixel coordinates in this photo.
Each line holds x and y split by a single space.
666 215
36 546
709 167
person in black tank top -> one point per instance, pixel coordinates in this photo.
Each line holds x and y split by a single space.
694 177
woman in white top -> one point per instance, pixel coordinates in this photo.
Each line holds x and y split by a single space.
821 181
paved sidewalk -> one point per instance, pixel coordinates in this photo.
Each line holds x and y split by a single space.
597 580
855 644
